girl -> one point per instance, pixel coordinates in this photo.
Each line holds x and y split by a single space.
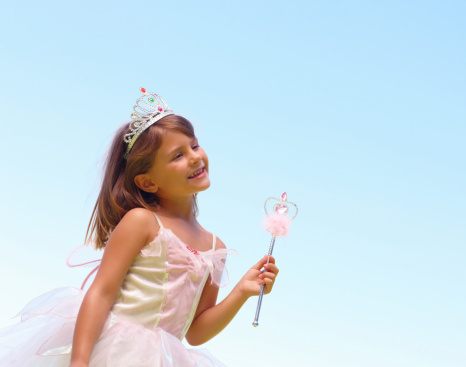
159 275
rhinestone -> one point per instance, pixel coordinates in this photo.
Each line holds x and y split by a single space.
280 209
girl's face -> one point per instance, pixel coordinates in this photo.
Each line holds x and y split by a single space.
180 167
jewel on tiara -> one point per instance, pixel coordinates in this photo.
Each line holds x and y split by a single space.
149 109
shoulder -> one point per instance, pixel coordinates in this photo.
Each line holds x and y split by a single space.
139 216
139 222
219 243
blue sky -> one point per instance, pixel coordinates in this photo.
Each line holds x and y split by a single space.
356 109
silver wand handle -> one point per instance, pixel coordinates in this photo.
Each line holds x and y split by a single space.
261 294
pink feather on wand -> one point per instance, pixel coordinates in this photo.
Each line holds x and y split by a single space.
277 224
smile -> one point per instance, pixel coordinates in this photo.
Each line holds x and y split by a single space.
198 174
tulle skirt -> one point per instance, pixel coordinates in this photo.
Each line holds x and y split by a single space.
45 334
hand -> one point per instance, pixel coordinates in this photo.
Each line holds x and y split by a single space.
250 284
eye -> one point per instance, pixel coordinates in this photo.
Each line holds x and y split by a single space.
179 155
196 146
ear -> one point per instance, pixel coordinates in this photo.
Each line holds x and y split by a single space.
145 183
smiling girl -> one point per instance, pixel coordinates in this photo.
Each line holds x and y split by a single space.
158 279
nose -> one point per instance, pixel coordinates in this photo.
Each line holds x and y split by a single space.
195 158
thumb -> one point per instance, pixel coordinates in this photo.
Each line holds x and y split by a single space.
262 262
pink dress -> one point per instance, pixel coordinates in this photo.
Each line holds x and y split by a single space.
151 314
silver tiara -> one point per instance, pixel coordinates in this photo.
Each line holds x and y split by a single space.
149 109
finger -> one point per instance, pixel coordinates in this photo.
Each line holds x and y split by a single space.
266 278
271 268
268 283
268 274
266 259
261 263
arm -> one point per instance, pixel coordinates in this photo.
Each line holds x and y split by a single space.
125 242
210 319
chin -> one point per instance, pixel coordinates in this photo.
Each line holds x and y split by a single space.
205 187
201 184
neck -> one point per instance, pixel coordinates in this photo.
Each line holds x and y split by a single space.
180 207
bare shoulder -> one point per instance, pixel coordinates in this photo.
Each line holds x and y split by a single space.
139 222
207 240
220 244
139 215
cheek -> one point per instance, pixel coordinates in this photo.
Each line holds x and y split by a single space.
206 160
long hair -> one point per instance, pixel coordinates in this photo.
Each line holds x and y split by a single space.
119 194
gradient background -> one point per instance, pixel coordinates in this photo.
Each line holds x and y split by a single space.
355 108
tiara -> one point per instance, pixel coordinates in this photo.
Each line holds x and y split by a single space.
149 109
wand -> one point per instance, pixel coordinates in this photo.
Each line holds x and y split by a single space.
277 224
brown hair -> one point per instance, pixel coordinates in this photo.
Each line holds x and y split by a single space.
119 194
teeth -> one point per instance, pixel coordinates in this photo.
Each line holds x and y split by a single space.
196 173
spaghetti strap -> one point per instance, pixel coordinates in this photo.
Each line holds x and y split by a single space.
214 241
158 220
